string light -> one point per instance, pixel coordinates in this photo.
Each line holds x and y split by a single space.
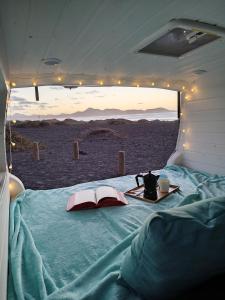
10 186
119 82
7 84
186 146
183 87
138 85
80 83
181 114
14 121
59 78
153 83
194 89
187 97
13 144
168 85
13 84
101 82
8 101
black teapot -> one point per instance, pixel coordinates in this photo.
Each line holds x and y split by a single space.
150 185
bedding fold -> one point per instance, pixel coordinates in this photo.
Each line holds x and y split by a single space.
54 254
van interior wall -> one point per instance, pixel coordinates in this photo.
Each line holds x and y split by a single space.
4 194
3 99
202 127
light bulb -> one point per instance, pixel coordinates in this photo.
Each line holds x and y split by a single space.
14 121
13 144
119 82
194 89
187 97
101 82
186 146
13 84
10 167
153 83
80 82
183 87
34 83
181 114
168 85
137 85
183 130
59 78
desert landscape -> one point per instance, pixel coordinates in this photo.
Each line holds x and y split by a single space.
147 146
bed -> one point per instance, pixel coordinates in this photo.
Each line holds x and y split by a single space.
54 254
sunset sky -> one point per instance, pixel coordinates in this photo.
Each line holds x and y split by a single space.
56 100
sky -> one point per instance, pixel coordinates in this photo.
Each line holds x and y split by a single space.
57 99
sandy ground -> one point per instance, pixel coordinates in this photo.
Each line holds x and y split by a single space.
148 145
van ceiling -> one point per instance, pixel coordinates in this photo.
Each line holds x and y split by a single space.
95 40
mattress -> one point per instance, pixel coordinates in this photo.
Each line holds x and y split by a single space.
54 254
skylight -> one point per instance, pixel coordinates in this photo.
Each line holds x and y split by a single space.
179 37
178 41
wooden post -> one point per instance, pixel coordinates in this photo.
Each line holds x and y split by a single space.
36 153
121 165
76 150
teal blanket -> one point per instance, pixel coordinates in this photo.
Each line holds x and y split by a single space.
54 254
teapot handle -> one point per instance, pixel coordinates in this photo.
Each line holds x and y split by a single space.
136 177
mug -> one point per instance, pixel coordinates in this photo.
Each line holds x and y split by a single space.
164 185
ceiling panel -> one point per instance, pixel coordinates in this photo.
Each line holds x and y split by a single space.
96 39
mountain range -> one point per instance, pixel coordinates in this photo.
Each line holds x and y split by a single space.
92 112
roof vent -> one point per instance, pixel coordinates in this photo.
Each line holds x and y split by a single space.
180 37
51 61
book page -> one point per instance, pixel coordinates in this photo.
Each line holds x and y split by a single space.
106 192
84 196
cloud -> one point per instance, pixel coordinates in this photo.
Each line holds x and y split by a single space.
56 87
82 91
42 106
18 108
53 106
22 103
19 99
14 91
92 92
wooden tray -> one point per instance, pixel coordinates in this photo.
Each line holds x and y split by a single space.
138 193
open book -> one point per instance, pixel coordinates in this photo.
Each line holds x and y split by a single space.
100 197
